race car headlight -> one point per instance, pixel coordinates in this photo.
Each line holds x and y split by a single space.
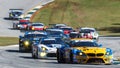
42 54
26 43
81 53
18 25
107 53
33 28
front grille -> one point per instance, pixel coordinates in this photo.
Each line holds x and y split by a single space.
91 54
51 55
95 54
95 60
100 54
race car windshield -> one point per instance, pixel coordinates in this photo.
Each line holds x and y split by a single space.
86 31
17 13
85 44
74 35
50 42
66 28
54 33
23 23
37 25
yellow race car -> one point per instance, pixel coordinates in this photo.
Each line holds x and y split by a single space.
84 51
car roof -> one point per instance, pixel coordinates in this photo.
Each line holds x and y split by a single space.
54 30
37 23
36 32
87 28
60 25
82 39
66 27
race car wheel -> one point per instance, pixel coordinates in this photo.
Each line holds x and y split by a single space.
36 55
33 55
14 26
21 49
71 57
60 58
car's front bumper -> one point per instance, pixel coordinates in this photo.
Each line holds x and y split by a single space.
93 60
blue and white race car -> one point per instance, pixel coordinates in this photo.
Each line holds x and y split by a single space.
46 47
26 41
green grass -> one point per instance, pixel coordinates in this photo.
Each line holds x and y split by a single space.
4 41
104 15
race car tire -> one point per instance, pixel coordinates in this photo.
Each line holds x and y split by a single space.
60 58
14 26
71 57
21 49
36 55
33 55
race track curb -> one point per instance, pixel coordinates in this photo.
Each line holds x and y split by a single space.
28 15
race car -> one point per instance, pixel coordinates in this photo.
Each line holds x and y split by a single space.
87 32
36 26
46 47
84 51
15 13
27 40
22 24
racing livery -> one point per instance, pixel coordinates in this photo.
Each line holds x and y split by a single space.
84 51
26 41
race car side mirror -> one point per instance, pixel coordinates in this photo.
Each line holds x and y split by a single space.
20 36
100 45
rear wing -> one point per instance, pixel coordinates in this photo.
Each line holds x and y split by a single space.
15 9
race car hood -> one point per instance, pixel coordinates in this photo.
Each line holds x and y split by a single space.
53 45
91 49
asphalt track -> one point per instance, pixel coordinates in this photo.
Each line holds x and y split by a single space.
10 57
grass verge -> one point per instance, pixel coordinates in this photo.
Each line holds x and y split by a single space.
101 14
4 41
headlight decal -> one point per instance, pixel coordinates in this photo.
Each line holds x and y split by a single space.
109 51
43 49
78 52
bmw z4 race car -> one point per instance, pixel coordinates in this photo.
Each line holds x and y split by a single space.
84 52
26 41
46 47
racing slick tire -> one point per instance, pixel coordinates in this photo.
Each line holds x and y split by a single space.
21 49
60 58
33 55
14 26
71 57
36 55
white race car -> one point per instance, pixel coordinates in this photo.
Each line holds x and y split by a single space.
46 47
89 32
